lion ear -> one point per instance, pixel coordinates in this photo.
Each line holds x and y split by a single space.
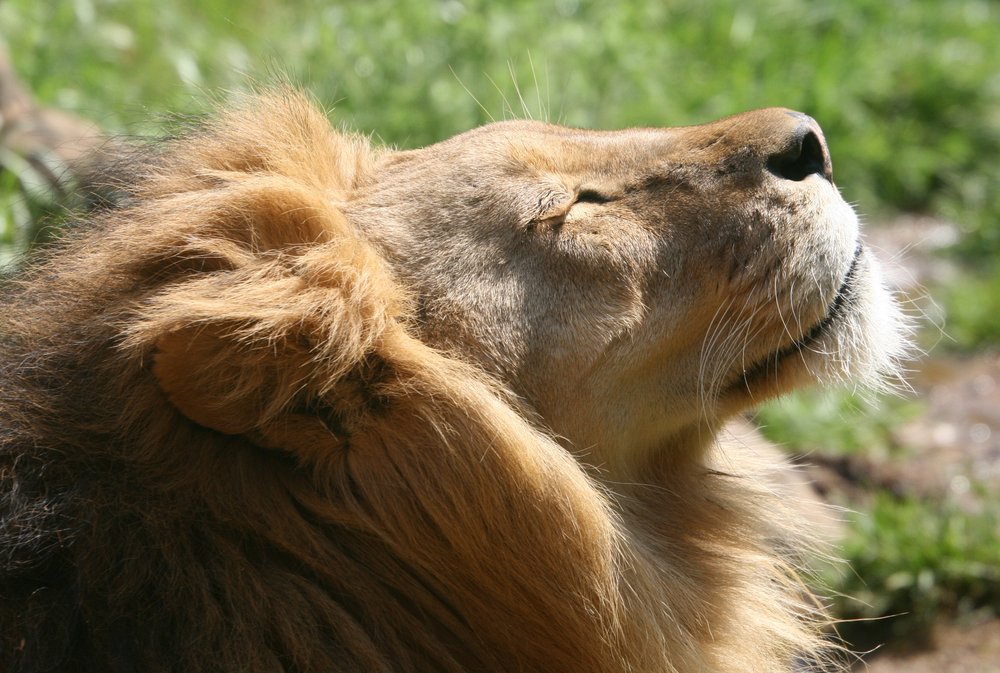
266 396
255 293
204 376
245 351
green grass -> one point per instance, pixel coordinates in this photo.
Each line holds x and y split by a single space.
836 422
25 205
973 309
914 562
909 562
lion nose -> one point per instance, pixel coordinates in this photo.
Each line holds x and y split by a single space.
801 150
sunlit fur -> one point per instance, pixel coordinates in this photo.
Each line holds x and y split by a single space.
275 411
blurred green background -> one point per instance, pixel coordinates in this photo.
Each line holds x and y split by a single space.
907 91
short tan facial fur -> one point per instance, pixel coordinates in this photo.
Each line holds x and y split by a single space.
635 285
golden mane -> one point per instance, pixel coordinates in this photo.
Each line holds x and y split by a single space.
226 448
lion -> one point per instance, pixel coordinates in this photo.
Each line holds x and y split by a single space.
294 402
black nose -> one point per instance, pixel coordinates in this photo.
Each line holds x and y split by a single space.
804 154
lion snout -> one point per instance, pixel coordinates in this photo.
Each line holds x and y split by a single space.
776 142
803 150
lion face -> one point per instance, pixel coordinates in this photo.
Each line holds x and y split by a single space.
635 285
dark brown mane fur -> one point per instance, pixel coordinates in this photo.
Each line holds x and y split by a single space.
222 448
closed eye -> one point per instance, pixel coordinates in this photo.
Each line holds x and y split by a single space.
593 196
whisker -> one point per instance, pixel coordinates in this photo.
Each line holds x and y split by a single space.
517 89
462 84
543 110
507 107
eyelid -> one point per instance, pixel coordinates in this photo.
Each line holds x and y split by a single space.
588 195
554 207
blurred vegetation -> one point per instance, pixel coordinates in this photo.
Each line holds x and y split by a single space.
913 562
836 421
973 305
908 92
913 559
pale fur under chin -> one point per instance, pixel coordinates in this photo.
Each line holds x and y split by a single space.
498 549
876 335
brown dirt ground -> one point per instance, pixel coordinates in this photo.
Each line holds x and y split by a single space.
951 649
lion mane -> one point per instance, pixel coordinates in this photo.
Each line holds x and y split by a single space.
225 447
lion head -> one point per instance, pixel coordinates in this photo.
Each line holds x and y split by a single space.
636 285
294 402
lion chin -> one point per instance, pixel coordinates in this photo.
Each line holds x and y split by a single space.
291 402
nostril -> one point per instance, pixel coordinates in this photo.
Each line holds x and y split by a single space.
805 157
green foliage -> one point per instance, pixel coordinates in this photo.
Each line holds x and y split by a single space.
973 309
15 217
25 205
912 562
835 421
909 562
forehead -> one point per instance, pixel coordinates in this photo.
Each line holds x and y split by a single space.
549 147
